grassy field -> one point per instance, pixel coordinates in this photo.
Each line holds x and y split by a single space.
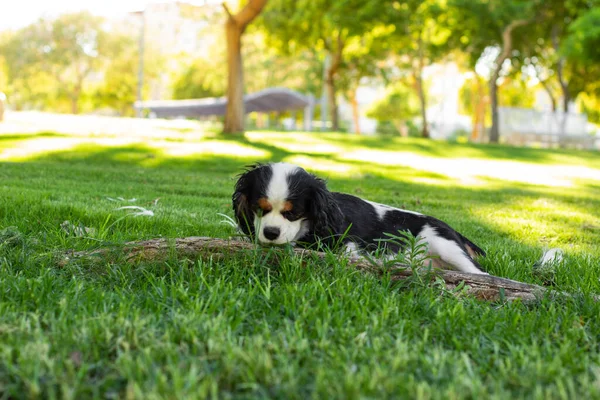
243 329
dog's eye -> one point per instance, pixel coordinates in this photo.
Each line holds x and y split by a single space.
290 216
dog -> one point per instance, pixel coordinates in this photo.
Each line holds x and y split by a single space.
282 203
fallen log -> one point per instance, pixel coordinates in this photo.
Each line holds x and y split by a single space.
483 287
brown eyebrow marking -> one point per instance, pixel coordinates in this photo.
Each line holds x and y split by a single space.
288 206
264 204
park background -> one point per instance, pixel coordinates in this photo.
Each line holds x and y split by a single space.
522 72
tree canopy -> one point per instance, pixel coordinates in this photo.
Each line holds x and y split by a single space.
81 62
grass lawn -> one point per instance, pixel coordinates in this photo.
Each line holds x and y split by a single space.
244 329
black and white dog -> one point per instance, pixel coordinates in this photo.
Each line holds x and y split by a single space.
282 203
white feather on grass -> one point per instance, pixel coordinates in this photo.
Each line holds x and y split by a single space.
141 211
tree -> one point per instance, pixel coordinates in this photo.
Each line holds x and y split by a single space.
560 49
550 48
583 40
474 96
553 32
269 68
399 106
537 60
419 40
4 37
118 86
480 24
60 53
199 79
364 58
324 24
474 99
590 104
579 49
234 28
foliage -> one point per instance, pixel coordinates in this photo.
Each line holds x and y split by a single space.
266 67
117 89
590 105
364 57
583 41
60 53
552 49
51 62
76 62
398 106
469 95
4 87
419 39
327 25
263 68
307 23
581 50
478 24
201 78
515 93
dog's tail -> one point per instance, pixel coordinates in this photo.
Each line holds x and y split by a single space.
472 248
550 256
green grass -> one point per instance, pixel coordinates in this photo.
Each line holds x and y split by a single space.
245 329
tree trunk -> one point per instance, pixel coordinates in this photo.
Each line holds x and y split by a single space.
355 111
482 287
401 127
74 106
550 94
418 76
335 51
495 130
333 108
234 28
75 102
478 110
566 98
506 49
560 64
423 105
235 111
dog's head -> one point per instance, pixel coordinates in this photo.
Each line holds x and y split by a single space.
280 203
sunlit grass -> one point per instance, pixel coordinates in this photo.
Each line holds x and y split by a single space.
350 159
243 329
31 148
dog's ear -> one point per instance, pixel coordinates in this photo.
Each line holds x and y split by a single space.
245 188
327 217
241 201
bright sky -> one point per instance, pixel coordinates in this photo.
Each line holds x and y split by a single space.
23 12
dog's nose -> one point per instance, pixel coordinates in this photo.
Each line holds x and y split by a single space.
271 232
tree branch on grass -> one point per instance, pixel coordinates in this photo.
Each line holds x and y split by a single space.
482 287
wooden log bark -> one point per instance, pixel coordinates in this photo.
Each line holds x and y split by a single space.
483 287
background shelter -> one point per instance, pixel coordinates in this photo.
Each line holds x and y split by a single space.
264 101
